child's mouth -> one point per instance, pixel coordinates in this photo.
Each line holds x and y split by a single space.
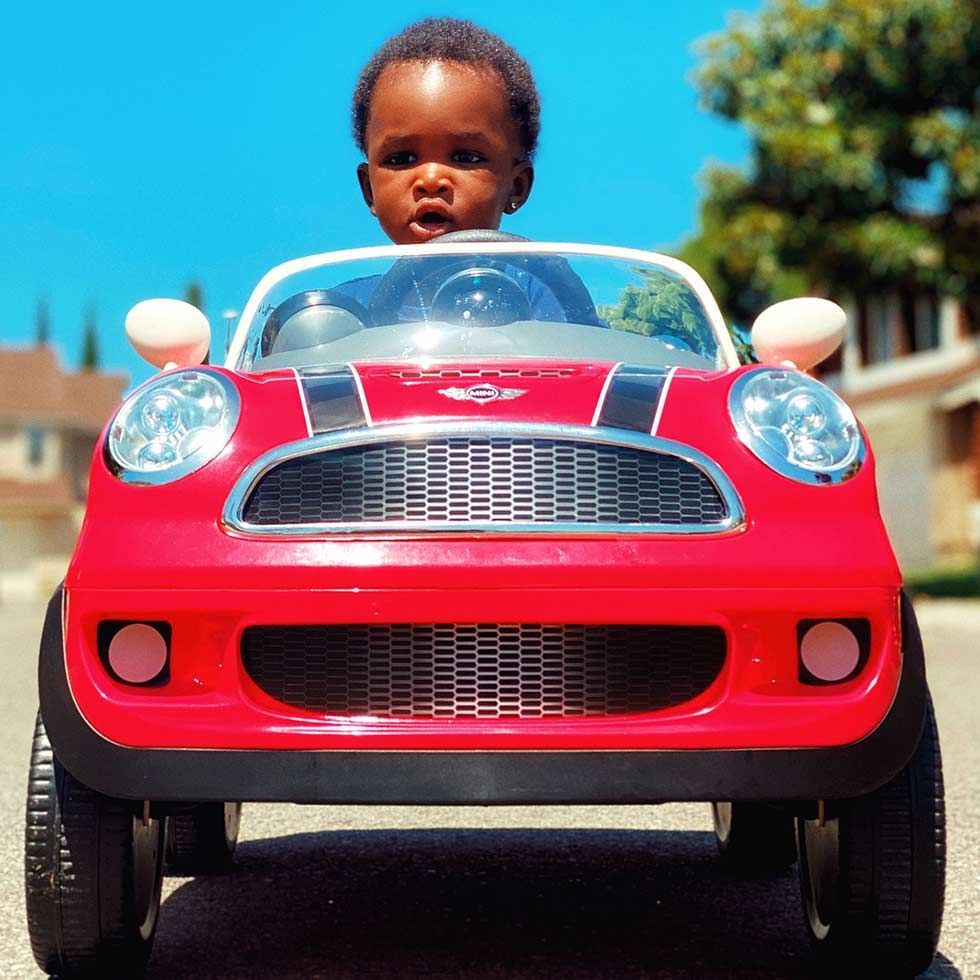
429 224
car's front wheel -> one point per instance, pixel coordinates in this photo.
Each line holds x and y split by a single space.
204 838
872 872
754 839
93 871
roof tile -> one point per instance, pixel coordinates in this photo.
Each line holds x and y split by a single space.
33 388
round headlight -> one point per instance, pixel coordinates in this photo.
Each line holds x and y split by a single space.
172 426
796 425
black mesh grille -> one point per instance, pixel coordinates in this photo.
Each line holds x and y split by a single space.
475 480
483 670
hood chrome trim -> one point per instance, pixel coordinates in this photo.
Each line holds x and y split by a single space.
233 520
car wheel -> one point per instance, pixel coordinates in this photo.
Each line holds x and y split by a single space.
873 875
203 839
754 838
93 870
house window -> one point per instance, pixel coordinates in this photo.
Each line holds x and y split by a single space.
927 319
35 446
963 442
970 317
833 364
919 322
893 326
959 433
861 329
881 339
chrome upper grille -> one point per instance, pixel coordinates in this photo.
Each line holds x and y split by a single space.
487 479
447 670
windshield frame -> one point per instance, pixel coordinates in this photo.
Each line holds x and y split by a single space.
726 346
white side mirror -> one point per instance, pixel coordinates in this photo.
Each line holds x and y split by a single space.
168 332
802 332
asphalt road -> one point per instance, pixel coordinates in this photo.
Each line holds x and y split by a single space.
597 893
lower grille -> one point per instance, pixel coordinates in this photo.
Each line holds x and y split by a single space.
483 670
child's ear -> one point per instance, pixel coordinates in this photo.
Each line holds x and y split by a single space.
521 181
364 179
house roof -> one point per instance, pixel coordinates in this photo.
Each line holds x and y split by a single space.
33 388
40 497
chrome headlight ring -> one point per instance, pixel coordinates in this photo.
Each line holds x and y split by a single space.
796 426
171 426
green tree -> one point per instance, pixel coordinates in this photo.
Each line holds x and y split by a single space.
42 323
90 341
663 305
737 249
194 294
865 159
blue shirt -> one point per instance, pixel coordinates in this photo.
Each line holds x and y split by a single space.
544 305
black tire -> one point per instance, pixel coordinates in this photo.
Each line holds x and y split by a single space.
203 840
93 871
754 839
873 877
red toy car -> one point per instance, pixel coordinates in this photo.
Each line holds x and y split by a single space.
484 521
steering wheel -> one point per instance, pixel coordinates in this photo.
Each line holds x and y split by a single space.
551 270
477 297
309 300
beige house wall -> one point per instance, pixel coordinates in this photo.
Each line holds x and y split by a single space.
11 452
15 461
34 553
58 415
954 485
76 454
37 538
926 472
922 413
952 501
901 434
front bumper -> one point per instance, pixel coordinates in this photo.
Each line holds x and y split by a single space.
699 753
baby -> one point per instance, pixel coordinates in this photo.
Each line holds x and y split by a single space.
446 114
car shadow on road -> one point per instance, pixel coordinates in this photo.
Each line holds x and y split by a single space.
485 905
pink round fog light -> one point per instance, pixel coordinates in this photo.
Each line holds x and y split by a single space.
137 653
830 651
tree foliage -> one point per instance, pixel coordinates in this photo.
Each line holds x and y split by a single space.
864 117
89 360
663 306
194 294
42 323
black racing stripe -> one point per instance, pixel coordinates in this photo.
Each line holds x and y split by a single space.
632 398
332 401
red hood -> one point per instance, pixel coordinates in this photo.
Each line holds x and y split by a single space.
677 403
546 391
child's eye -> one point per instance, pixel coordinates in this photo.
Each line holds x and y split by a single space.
401 159
468 156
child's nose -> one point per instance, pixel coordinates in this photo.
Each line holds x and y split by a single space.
431 178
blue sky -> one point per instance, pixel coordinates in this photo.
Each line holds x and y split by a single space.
145 146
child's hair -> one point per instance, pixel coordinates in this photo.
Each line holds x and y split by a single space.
449 39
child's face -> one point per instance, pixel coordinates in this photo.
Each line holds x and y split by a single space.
443 152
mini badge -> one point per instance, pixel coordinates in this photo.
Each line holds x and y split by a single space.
482 394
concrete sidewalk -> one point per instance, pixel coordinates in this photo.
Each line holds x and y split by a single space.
946 613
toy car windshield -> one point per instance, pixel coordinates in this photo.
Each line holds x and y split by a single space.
491 300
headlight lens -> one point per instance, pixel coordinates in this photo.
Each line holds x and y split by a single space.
172 426
797 426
